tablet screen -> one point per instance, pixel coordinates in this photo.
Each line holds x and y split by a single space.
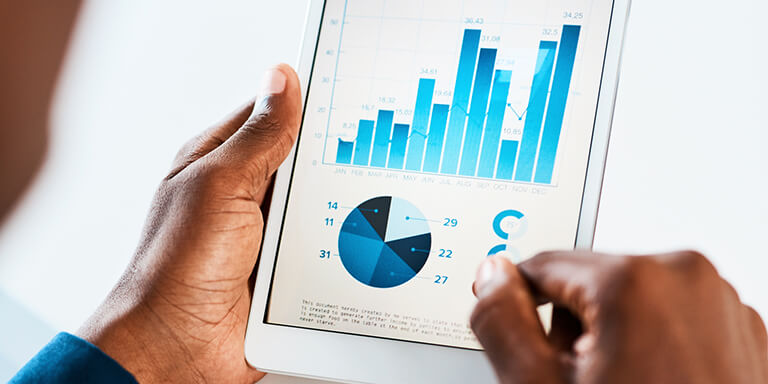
436 133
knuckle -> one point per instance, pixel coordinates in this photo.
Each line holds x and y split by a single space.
759 326
754 316
629 275
191 148
642 276
730 291
693 265
187 147
693 260
635 268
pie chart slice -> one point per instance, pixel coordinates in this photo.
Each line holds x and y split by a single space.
384 242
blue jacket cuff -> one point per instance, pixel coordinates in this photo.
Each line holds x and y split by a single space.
70 359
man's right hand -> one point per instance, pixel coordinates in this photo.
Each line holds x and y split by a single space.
617 319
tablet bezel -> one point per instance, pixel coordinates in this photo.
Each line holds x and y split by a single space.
345 357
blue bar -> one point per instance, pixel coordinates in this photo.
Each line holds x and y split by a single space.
507 155
381 138
492 133
363 142
420 122
477 112
550 136
344 152
537 101
435 138
397 150
467 61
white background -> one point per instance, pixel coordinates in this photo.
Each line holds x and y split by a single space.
687 167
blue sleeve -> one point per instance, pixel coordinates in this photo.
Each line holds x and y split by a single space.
70 359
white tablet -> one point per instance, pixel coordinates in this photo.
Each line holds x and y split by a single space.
435 133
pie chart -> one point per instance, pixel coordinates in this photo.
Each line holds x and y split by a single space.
384 242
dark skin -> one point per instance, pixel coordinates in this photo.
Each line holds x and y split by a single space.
667 318
33 41
179 312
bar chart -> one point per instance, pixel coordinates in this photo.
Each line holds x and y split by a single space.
464 138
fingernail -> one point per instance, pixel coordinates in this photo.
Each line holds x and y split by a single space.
273 82
490 276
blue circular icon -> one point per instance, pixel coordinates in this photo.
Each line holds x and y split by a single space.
509 225
500 231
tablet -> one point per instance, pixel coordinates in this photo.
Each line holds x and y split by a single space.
435 133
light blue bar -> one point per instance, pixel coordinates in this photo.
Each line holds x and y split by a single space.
537 101
344 152
435 138
477 111
420 123
363 142
397 149
381 138
550 136
492 133
458 119
507 155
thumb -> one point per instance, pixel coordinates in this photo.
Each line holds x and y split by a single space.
261 144
506 323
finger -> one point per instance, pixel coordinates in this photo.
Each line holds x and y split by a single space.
261 144
506 324
568 279
211 138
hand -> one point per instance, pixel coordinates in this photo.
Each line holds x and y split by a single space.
179 312
617 319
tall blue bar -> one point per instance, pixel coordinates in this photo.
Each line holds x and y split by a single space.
381 138
363 142
507 155
537 102
435 138
344 152
477 112
462 88
397 149
561 83
492 133
420 124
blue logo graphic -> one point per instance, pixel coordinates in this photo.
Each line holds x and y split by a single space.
509 225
